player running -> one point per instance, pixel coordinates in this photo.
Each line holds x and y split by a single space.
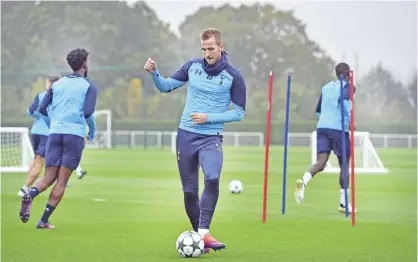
73 102
328 132
213 84
39 137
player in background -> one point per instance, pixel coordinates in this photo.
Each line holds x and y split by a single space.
73 101
213 84
328 132
39 137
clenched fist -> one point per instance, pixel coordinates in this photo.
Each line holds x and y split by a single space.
150 65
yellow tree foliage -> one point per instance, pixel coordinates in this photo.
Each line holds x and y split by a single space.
38 86
153 104
134 98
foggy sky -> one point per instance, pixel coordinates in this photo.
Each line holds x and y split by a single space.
383 31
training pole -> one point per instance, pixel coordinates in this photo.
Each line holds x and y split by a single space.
344 146
266 157
353 202
286 141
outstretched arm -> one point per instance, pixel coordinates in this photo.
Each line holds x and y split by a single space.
166 85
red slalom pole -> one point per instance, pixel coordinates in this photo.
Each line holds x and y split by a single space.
353 203
266 157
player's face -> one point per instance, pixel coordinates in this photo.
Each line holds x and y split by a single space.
211 50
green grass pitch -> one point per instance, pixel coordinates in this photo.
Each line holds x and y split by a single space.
130 208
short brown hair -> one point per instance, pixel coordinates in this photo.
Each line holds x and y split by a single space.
53 79
211 32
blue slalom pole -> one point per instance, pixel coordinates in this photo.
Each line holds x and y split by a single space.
344 146
286 141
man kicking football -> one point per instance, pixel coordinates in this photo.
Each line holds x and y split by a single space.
213 84
73 102
328 132
39 137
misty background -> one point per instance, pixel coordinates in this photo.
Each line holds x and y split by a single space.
378 39
362 33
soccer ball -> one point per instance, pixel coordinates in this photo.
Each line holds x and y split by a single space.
190 244
235 187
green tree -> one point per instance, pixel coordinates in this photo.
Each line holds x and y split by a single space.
119 37
135 97
381 97
412 93
260 38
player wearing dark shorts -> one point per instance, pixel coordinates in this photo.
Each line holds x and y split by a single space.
214 85
73 101
329 133
39 144
39 137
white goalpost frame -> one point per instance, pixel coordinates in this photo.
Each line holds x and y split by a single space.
235 135
107 134
368 150
26 149
27 153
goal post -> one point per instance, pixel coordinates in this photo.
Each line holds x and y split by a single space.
103 137
16 149
367 159
234 139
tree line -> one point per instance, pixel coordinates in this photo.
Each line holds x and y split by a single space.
120 37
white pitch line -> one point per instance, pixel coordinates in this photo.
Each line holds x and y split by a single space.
99 200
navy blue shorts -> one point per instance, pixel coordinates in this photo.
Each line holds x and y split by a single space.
330 139
39 144
195 149
64 150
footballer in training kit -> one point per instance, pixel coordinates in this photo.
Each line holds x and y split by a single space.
39 138
329 133
213 85
66 108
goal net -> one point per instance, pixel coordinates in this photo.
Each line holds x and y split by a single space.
234 139
366 158
16 149
103 137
